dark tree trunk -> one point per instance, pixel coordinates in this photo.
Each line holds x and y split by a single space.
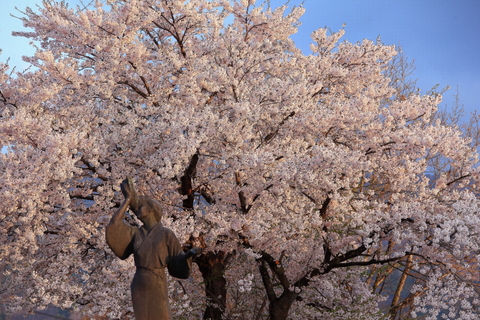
187 183
280 307
212 266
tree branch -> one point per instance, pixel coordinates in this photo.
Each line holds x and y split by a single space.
187 182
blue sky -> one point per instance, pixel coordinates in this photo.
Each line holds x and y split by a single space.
442 36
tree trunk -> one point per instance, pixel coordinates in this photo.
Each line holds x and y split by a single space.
212 266
279 309
396 298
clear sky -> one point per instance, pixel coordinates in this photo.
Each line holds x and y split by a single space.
442 36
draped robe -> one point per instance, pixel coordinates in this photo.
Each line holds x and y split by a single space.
153 252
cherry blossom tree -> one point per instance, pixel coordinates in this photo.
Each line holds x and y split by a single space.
301 176
397 278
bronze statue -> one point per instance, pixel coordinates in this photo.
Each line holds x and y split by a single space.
154 248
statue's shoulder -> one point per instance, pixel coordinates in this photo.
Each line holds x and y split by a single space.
168 231
159 228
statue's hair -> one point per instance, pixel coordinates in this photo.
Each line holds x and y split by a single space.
153 204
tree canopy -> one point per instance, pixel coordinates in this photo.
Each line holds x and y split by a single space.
310 180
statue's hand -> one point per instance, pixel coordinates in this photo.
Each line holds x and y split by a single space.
194 252
129 192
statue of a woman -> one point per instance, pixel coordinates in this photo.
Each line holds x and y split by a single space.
154 248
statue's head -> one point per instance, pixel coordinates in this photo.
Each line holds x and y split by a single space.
148 205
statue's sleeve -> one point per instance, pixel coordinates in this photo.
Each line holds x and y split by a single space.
178 262
120 239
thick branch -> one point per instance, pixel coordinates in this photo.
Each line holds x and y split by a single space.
277 269
396 298
187 182
267 282
304 281
458 179
269 137
134 88
145 84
